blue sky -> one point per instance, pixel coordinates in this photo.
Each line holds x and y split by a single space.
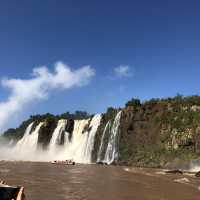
159 41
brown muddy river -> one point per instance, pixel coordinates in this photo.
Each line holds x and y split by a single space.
45 181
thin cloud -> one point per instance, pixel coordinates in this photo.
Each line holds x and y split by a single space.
26 91
122 71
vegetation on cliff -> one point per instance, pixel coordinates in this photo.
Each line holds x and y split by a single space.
50 120
156 132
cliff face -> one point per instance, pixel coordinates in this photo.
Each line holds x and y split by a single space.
157 132
151 134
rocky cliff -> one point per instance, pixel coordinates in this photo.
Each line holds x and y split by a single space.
154 133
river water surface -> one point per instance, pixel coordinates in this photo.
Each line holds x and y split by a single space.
45 181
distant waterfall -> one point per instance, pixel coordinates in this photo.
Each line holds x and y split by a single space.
112 149
78 147
29 141
74 148
102 144
90 137
25 138
26 148
57 133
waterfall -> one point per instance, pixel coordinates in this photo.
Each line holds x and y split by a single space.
26 147
74 148
26 135
112 149
78 147
29 141
94 124
102 144
57 134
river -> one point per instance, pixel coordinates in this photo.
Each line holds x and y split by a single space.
96 182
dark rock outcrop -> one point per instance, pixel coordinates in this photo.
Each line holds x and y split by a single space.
197 174
46 131
69 128
176 171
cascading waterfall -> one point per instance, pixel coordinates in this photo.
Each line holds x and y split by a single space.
26 148
57 134
102 144
29 141
73 149
79 148
112 149
96 120
25 138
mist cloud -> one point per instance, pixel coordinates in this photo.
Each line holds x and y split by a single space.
26 91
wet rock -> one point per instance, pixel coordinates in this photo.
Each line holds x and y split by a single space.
176 171
101 163
46 131
69 128
87 127
197 174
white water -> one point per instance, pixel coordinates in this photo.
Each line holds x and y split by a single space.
91 137
112 149
28 144
73 149
57 134
79 148
25 138
82 143
25 149
194 166
102 144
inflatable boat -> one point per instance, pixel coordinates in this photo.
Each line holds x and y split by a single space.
11 193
